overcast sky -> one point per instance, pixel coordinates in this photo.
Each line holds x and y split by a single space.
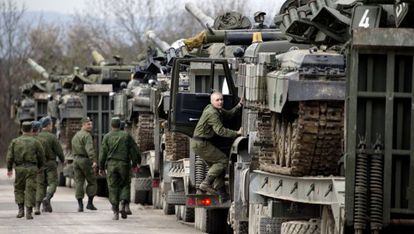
71 6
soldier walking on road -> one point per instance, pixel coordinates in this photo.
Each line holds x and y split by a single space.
84 164
118 150
209 126
48 178
27 155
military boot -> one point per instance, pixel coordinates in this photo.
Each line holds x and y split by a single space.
127 209
29 211
115 209
20 214
90 205
46 202
37 208
80 205
206 185
123 209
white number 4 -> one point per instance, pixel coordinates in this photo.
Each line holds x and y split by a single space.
364 23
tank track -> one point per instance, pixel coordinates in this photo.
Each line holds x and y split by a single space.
143 131
308 142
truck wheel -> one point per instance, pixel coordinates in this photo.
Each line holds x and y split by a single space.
62 180
187 214
102 190
301 227
167 208
212 221
140 197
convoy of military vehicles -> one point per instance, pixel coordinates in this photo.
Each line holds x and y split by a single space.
327 144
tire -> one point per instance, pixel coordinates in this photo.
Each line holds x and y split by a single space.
187 214
62 180
140 197
102 190
167 208
212 220
301 227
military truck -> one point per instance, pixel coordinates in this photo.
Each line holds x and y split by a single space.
285 173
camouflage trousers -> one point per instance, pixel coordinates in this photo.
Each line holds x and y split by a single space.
47 179
215 159
119 181
25 185
83 170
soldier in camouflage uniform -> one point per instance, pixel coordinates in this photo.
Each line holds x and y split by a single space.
48 178
210 125
118 150
84 164
27 155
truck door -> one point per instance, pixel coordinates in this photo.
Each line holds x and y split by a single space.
192 82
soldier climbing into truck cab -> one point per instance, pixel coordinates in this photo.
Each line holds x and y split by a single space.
209 127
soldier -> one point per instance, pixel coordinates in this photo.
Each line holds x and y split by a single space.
259 17
84 164
210 125
48 178
118 150
26 153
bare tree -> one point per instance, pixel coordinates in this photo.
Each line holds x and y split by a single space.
13 51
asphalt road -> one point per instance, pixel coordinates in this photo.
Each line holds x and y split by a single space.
66 219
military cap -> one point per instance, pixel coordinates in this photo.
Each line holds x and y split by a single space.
257 13
115 122
36 125
45 121
85 119
26 126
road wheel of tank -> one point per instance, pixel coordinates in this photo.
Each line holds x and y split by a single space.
62 180
167 208
301 227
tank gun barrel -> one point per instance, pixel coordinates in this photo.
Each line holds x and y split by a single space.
205 20
38 68
164 46
242 37
98 58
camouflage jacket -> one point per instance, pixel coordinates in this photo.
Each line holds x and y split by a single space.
119 145
82 145
211 122
25 150
51 146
